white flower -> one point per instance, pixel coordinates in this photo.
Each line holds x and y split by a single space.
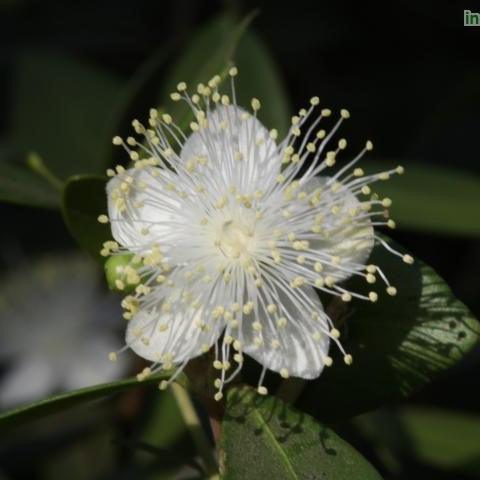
54 330
232 233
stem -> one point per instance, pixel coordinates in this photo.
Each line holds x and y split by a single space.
36 164
194 426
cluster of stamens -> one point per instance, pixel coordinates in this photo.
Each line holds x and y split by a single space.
229 233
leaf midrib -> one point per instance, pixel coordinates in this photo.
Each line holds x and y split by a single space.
271 436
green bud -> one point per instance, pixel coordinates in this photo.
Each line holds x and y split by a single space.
121 273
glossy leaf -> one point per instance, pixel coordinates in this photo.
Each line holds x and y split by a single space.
399 344
27 413
84 199
428 198
263 437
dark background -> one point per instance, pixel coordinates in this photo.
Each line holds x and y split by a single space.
408 71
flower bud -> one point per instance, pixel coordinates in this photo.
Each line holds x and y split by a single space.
120 272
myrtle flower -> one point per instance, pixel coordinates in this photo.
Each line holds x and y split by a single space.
55 328
232 232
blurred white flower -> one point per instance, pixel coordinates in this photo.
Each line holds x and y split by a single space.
233 234
55 327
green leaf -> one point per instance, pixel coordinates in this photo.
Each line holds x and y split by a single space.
69 462
61 110
165 434
399 344
444 439
20 185
165 424
259 77
26 413
209 54
434 199
212 49
84 199
134 97
263 437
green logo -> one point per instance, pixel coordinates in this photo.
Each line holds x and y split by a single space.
471 19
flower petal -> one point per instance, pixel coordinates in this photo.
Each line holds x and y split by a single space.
351 243
143 212
301 344
238 147
27 380
174 336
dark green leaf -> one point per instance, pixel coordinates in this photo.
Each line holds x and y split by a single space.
212 49
26 413
432 199
259 77
19 184
262 437
70 462
209 54
84 199
135 97
61 110
165 424
444 439
398 344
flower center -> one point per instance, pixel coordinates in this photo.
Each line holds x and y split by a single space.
235 240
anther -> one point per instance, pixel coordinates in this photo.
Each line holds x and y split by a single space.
335 333
327 361
262 390
346 297
391 291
